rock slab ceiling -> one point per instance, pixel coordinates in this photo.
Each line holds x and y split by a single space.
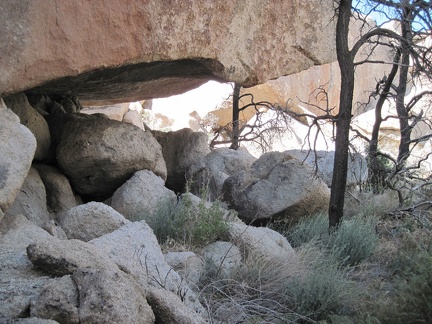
129 50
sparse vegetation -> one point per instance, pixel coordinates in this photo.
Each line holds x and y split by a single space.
189 223
352 243
303 290
374 269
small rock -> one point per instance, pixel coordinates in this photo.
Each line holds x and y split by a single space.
223 257
31 201
168 308
60 196
187 264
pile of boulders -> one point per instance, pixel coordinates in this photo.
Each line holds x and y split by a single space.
76 190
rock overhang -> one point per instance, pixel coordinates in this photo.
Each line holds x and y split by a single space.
134 82
130 50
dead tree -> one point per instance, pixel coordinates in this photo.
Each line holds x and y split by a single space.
259 130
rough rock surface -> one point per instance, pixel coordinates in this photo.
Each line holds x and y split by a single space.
59 194
31 201
276 186
109 295
134 248
32 320
181 149
58 300
17 147
59 258
261 243
222 256
141 196
89 221
106 293
20 282
211 172
34 121
98 154
157 48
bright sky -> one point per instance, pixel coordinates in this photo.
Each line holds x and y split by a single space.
202 100
377 16
380 18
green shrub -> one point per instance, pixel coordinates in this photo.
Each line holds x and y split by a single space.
354 241
412 270
321 292
309 229
189 223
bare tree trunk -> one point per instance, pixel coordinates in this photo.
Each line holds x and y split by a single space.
346 64
235 118
376 176
405 129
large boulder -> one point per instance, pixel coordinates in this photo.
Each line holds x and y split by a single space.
277 185
135 250
261 243
181 149
357 165
34 121
106 293
139 50
17 147
141 196
211 172
59 258
89 221
98 154
31 201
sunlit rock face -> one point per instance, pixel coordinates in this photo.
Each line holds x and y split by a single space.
130 50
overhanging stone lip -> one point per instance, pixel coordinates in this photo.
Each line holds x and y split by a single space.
135 82
254 41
